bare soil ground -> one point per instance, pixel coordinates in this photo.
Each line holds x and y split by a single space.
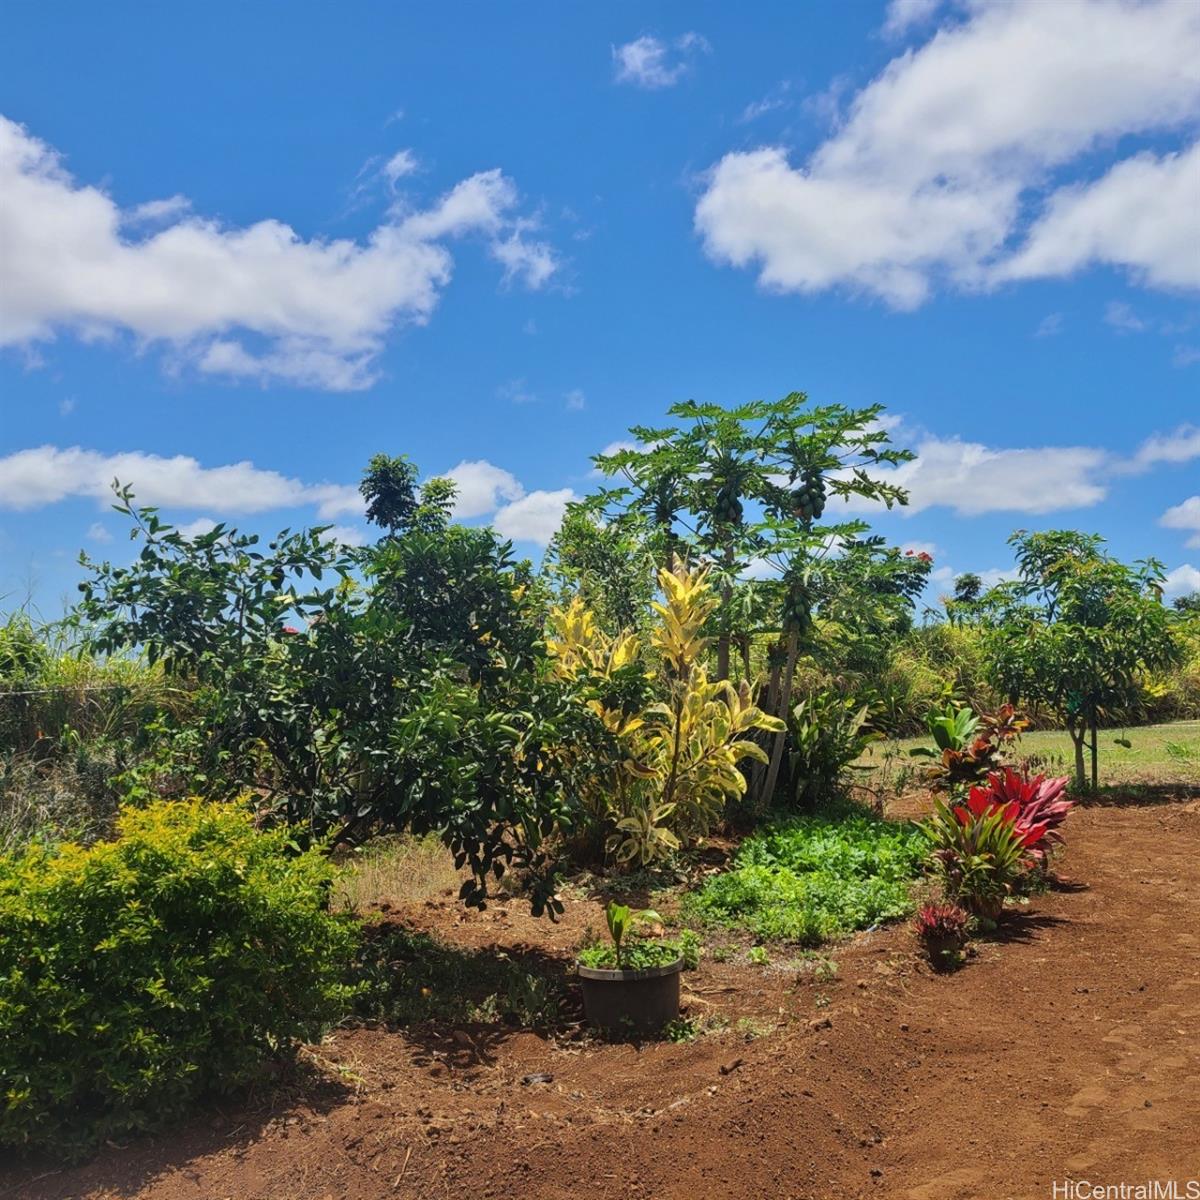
1069 1046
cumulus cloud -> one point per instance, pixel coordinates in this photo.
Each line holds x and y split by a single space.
932 175
535 517
649 62
1142 215
971 479
482 488
1185 516
1182 581
255 302
44 475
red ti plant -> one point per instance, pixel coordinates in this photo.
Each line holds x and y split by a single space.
982 802
1040 803
942 929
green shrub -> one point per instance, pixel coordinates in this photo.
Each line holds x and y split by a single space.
139 974
816 877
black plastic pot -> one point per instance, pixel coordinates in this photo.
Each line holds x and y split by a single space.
631 1003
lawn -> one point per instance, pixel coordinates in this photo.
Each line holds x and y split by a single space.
1146 760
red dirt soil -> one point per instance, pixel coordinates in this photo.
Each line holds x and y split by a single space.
1067 1048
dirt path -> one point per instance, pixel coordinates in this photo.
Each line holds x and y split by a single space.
1069 1049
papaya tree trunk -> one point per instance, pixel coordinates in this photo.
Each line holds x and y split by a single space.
723 641
768 704
785 695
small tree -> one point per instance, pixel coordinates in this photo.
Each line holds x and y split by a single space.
1076 632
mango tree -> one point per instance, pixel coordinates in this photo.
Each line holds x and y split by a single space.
1076 632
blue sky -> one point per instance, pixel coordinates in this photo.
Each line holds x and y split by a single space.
244 247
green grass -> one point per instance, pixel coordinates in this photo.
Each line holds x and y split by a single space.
1050 751
812 878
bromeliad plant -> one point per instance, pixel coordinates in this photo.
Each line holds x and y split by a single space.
679 755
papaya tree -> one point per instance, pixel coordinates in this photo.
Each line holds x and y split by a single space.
744 491
1076 632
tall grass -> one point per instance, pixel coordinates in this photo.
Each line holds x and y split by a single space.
67 720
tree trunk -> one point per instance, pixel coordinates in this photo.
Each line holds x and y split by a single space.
785 695
726 600
744 645
768 704
1077 736
1095 771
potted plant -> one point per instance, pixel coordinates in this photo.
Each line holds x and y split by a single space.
942 929
630 984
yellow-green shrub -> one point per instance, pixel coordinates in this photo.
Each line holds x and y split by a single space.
139 974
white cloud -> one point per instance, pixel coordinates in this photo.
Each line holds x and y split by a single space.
902 15
994 576
1185 356
970 478
98 533
402 163
1050 326
482 487
517 391
648 62
254 302
929 548
576 400
44 475
1120 316
197 528
157 210
1180 446
535 517
346 535
1140 216
1185 516
1182 581
940 158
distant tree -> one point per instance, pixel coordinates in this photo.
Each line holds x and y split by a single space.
964 605
1188 605
1076 632
389 487
610 566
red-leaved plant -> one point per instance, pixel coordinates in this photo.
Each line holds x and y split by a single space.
1038 806
941 922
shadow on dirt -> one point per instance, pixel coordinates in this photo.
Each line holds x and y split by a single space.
1022 927
122 1169
1137 795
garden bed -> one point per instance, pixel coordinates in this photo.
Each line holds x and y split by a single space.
1067 1047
